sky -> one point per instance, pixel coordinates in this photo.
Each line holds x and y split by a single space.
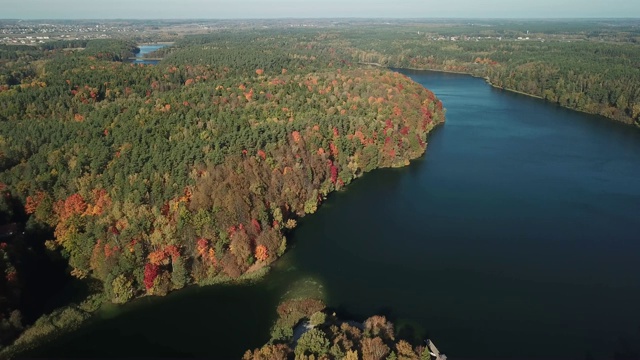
242 9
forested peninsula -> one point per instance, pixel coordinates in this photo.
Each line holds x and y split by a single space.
145 179
138 179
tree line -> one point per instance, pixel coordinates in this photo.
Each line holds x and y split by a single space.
149 178
596 77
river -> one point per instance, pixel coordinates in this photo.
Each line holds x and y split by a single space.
515 236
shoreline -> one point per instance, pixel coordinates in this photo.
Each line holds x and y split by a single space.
522 93
18 348
485 78
631 122
167 43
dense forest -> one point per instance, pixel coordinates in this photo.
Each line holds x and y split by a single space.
323 335
149 178
583 66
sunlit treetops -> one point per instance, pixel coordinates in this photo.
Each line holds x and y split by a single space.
193 171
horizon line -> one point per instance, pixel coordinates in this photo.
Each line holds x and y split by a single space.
331 18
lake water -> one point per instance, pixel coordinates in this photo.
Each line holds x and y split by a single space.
516 235
145 49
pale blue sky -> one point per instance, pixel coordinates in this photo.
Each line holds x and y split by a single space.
218 9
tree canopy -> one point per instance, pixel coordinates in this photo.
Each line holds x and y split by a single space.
192 171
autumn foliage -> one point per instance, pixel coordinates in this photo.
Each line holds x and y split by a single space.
150 274
197 170
332 337
261 253
73 205
33 202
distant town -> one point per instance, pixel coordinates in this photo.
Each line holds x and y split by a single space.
22 32
34 32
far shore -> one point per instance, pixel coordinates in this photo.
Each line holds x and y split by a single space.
470 74
500 88
157 43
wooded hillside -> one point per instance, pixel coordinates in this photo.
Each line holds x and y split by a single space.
154 177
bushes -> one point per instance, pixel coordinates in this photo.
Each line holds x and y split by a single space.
290 313
314 341
332 338
318 318
64 319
